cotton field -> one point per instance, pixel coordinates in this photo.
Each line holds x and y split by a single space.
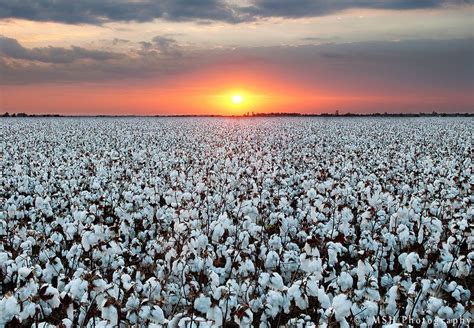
252 222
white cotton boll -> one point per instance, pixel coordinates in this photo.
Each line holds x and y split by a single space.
89 239
342 306
295 294
264 279
312 265
110 314
245 320
456 294
24 272
332 256
180 228
445 312
434 304
411 261
403 234
246 268
439 323
345 281
276 281
52 296
272 260
79 216
213 279
154 314
11 211
215 314
386 280
95 184
311 250
127 282
77 288
275 242
392 297
9 308
323 299
200 187
132 303
311 193
274 303
451 286
202 303
312 286
218 232
29 310
39 189
370 312
363 272
144 312
44 325
157 315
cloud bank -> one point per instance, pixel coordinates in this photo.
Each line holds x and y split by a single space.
11 48
99 12
405 64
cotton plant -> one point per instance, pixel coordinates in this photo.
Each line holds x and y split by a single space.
255 223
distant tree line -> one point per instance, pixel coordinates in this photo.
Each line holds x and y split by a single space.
276 114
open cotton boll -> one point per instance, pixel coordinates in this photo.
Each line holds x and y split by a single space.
296 293
311 193
215 314
243 317
9 308
272 260
323 299
311 265
202 303
276 281
89 239
342 307
110 313
311 250
345 281
392 297
274 303
24 273
50 296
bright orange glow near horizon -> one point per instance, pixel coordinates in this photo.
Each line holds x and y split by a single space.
211 91
238 102
237 99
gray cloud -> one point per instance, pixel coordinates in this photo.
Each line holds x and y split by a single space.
10 48
98 12
167 45
160 45
117 41
308 8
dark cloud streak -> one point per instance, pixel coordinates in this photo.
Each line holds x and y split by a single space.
99 12
10 48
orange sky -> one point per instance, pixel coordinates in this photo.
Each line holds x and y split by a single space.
210 91
122 100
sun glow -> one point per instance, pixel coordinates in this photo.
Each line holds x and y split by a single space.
237 99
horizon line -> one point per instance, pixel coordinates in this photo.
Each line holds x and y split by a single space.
250 115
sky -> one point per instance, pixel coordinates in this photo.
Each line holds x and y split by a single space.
145 57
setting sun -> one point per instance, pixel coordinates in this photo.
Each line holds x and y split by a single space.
237 99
